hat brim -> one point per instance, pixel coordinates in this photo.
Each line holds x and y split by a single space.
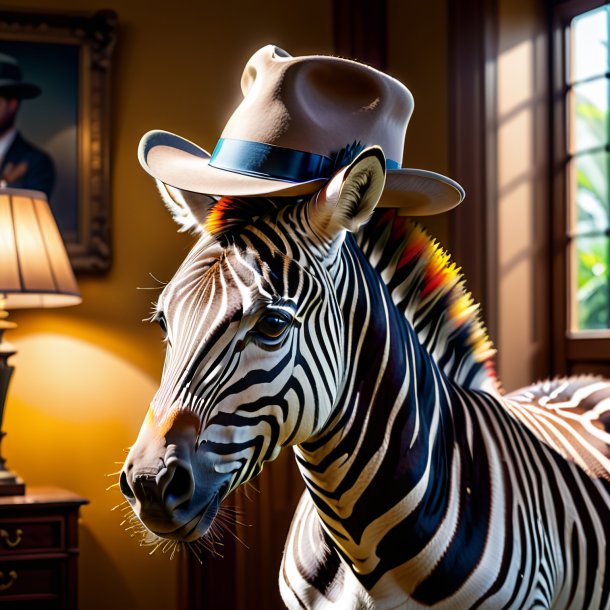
182 164
21 91
419 192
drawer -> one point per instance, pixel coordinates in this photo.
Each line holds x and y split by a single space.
32 583
31 535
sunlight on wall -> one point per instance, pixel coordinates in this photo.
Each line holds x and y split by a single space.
515 150
516 78
515 162
79 381
521 172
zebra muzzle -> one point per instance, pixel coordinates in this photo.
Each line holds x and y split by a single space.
158 479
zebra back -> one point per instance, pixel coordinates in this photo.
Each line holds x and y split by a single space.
571 415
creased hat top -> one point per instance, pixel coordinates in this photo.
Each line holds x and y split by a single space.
300 118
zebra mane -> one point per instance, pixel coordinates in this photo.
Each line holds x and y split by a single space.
229 213
431 292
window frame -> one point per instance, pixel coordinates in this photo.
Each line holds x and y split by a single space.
579 351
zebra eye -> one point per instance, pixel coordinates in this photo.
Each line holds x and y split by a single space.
272 326
162 323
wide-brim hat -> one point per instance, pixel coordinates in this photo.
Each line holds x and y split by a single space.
302 119
11 83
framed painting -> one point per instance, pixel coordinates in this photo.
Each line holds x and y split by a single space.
63 63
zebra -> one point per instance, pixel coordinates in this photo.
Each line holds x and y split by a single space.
346 332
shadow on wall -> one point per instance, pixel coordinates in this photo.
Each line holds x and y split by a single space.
106 571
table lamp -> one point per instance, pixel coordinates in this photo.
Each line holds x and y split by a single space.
35 272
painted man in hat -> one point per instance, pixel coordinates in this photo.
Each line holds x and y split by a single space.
22 165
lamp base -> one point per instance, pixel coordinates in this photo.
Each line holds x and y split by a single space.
11 484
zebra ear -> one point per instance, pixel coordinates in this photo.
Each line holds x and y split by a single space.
350 196
189 210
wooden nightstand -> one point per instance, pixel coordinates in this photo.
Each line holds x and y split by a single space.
39 550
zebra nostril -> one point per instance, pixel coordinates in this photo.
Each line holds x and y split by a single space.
125 487
180 487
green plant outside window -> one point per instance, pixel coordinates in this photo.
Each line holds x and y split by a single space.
589 94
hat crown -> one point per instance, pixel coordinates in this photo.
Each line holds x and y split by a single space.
11 83
9 68
319 104
301 120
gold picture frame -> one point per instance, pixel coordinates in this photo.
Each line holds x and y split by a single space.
68 56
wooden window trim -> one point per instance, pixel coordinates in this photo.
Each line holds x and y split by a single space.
569 349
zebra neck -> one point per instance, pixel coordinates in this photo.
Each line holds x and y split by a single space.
385 435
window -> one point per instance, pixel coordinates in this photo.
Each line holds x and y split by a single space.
581 134
587 196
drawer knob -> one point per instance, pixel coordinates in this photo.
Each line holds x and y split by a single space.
7 538
7 583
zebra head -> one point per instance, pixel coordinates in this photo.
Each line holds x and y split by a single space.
255 345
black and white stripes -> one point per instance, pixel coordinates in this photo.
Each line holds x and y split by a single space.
425 487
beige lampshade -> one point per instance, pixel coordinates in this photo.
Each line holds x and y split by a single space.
34 267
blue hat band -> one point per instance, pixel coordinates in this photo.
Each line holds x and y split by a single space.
273 162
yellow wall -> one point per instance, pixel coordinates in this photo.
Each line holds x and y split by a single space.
84 375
